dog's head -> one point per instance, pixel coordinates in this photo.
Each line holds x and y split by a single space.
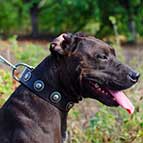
92 64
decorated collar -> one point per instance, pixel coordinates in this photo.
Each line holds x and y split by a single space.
41 89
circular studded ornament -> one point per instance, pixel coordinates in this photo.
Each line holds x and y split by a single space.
55 97
39 85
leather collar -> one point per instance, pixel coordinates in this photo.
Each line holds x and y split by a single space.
40 88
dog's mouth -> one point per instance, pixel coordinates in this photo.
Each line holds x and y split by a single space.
111 97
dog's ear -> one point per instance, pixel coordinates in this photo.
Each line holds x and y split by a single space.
65 44
61 43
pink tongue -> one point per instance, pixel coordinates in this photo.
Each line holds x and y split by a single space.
123 101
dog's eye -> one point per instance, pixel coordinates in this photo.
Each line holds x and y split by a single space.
102 57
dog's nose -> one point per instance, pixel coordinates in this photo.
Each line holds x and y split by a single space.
133 76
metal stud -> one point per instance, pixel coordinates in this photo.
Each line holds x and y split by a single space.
27 76
69 106
38 85
55 97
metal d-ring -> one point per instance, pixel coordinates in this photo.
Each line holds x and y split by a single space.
16 66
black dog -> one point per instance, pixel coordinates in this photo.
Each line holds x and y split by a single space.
79 66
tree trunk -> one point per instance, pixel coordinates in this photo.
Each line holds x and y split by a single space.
132 29
34 10
131 22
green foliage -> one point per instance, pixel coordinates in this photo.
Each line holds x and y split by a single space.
7 16
68 15
93 16
5 86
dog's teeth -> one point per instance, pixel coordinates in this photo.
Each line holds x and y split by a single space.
99 89
103 91
96 85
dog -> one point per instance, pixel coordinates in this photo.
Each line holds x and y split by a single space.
78 67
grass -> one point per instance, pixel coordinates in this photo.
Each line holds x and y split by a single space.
89 121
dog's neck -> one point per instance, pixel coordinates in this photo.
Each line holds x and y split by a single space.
22 98
54 71
60 74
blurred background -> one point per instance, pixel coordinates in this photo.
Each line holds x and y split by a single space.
27 27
